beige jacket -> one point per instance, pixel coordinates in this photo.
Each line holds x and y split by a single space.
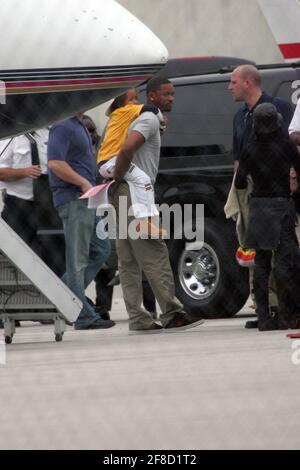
237 208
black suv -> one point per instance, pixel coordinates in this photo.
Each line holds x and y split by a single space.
197 168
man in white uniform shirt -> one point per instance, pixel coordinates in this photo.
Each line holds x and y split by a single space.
17 173
294 127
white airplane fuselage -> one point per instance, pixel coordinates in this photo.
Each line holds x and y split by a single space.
64 57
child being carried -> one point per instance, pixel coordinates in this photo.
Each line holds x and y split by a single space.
122 112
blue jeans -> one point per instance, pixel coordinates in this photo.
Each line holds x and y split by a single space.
85 252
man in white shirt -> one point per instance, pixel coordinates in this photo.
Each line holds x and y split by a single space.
17 173
294 127
294 131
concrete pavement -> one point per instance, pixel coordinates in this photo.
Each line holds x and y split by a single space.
218 386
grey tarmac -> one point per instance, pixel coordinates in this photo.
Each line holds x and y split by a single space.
217 386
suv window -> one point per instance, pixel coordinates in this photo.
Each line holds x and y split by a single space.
201 120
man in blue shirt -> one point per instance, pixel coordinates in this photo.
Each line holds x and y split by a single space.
72 172
245 85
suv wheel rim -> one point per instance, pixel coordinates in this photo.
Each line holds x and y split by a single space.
199 272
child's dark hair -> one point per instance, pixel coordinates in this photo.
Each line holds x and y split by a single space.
118 103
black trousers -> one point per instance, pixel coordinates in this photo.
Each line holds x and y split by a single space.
148 297
104 292
283 265
19 214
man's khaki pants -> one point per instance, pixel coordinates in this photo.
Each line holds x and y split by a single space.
147 255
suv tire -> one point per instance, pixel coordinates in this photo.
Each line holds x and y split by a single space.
208 282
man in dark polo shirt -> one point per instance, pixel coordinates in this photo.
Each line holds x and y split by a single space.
72 172
245 85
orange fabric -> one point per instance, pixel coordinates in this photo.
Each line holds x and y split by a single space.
244 257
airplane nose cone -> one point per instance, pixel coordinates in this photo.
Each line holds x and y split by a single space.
145 46
130 38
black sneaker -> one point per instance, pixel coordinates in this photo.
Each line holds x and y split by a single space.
182 321
269 324
96 325
289 323
105 316
251 324
152 329
102 313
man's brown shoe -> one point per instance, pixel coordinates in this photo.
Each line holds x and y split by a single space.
182 321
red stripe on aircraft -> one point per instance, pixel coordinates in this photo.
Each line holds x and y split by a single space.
290 51
88 81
